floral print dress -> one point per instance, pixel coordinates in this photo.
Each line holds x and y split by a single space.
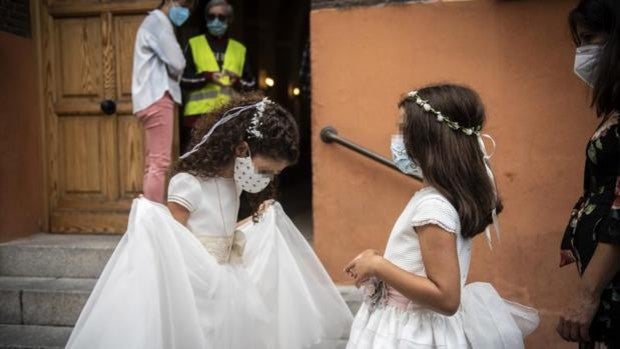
596 218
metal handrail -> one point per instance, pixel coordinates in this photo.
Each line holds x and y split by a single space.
330 135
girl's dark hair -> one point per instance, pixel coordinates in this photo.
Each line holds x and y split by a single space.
452 162
601 17
279 141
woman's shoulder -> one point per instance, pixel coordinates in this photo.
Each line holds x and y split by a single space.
152 23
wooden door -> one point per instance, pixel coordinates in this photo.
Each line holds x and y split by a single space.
94 160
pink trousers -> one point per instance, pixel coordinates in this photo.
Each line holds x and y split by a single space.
157 120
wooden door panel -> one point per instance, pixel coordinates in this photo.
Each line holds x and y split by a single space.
82 144
125 28
79 51
95 161
130 134
131 156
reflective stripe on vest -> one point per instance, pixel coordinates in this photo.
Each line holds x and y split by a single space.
212 96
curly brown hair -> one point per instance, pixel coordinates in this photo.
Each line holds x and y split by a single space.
279 141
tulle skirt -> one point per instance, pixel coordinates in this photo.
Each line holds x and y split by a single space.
162 289
484 321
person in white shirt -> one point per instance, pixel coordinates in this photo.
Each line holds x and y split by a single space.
158 65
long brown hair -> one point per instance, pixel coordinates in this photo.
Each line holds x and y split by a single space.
451 161
279 141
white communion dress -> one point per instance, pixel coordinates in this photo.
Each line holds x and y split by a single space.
388 320
211 285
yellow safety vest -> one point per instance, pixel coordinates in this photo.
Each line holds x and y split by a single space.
212 95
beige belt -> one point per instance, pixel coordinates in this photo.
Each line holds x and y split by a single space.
225 249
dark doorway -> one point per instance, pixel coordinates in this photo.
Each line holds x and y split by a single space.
276 34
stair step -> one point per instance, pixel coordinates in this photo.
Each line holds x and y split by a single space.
50 337
49 255
33 337
59 301
42 301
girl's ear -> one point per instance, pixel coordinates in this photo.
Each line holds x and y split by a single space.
242 149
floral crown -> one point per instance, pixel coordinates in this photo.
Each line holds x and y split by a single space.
256 119
233 113
423 103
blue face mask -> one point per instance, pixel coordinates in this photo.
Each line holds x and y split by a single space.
217 27
178 15
401 159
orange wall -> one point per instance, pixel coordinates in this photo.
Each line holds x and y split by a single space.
518 56
21 168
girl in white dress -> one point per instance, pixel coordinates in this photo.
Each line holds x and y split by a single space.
415 293
188 276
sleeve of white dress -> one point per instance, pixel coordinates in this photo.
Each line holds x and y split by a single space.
185 190
438 211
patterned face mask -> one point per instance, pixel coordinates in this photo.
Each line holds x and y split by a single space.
401 159
247 178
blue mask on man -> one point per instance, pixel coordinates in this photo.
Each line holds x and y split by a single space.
217 27
178 15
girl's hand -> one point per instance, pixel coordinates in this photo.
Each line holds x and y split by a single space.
265 205
574 324
364 266
256 217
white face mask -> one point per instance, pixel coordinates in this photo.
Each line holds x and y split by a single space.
247 178
586 61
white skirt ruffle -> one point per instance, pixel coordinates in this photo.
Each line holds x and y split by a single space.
162 289
484 321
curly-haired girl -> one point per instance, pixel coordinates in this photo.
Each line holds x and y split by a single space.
189 276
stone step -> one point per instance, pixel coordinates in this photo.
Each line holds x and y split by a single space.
33 337
59 301
57 256
50 337
42 301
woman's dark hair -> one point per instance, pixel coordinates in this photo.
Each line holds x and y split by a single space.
601 17
279 140
452 162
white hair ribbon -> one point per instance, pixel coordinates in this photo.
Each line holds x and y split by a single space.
487 157
228 115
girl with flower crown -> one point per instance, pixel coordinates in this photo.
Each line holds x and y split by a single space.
188 276
415 293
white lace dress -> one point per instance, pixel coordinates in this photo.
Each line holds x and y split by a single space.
484 320
211 286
